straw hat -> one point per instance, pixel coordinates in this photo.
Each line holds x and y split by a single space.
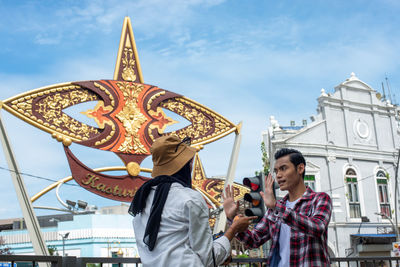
170 154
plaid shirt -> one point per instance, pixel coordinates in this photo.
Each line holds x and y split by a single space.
308 221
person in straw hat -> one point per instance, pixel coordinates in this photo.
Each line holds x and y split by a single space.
171 219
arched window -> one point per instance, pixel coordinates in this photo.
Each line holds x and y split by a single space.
309 180
352 191
383 193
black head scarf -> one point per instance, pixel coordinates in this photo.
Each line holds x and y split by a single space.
163 183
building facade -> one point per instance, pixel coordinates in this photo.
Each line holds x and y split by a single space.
105 233
351 148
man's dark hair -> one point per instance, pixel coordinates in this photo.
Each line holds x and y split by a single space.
295 157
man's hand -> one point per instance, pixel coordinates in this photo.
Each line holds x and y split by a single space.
240 224
268 196
230 207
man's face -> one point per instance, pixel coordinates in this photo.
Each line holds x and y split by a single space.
287 175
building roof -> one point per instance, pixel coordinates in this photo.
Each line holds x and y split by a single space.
295 128
373 238
375 235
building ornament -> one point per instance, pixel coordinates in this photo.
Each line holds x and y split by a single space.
274 123
129 115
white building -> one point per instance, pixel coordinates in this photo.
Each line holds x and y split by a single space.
351 149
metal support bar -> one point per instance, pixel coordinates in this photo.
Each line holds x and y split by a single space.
71 261
396 192
221 219
32 224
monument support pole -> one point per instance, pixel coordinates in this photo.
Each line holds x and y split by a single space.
221 219
32 224
396 193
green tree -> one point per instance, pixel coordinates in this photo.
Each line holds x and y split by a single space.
264 159
53 251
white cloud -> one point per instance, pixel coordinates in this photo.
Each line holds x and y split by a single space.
42 39
242 68
72 21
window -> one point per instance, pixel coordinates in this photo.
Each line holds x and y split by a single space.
309 180
352 193
383 193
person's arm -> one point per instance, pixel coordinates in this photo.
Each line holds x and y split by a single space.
257 236
200 236
254 238
315 224
239 225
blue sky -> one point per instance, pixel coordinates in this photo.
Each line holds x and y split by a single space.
247 60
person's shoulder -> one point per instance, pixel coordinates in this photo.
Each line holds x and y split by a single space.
317 195
322 196
185 193
193 199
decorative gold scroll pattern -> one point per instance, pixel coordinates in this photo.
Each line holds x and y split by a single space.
97 113
24 104
196 114
198 176
153 98
108 137
215 187
150 132
200 123
198 179
131 118
101 87
69 96
162 120
51 108
128 73
24 107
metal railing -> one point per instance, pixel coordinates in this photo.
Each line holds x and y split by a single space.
382 261
68 261
28 260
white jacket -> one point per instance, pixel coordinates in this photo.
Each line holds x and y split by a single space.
184 237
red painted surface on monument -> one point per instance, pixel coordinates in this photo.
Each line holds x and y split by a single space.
120 188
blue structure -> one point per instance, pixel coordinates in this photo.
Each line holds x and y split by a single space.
86 235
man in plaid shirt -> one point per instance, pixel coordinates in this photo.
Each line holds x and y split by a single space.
297 224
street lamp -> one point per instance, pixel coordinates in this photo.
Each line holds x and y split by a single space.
82 204
64 236
390 220
71 204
